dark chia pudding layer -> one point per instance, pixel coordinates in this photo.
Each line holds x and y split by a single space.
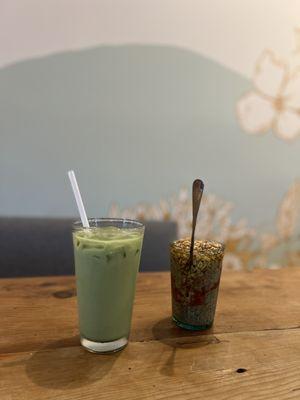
195 288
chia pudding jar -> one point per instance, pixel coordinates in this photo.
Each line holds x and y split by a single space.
195 288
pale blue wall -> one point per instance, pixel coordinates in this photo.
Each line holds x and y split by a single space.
135 123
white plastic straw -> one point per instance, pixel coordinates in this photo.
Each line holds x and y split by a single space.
76 191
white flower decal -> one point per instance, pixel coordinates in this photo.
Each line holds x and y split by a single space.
245 246
274 103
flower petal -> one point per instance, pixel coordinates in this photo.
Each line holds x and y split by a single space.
292 91
232 261
255 113
287 126
270 74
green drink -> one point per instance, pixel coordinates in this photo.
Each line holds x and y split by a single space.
107 257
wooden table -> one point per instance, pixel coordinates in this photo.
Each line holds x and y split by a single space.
252 352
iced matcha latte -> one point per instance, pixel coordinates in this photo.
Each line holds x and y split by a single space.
107 257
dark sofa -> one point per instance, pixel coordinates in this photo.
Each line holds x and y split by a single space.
43 246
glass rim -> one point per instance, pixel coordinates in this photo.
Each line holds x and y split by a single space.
135 224
222 244
177 249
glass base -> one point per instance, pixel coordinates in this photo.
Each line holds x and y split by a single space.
191 327
104 347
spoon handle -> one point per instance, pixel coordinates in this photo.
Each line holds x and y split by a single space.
198 187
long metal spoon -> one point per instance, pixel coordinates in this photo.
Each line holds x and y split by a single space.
198 187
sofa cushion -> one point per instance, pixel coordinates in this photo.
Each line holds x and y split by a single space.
43 246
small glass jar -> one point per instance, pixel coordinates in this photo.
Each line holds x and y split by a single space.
195 288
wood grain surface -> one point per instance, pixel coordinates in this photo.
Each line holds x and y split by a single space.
252 352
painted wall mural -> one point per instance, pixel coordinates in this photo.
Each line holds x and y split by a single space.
246 247
141 105
274 102
272 105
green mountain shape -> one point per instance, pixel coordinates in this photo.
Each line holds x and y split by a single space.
136 123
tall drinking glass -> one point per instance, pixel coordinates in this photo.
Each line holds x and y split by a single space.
107 257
